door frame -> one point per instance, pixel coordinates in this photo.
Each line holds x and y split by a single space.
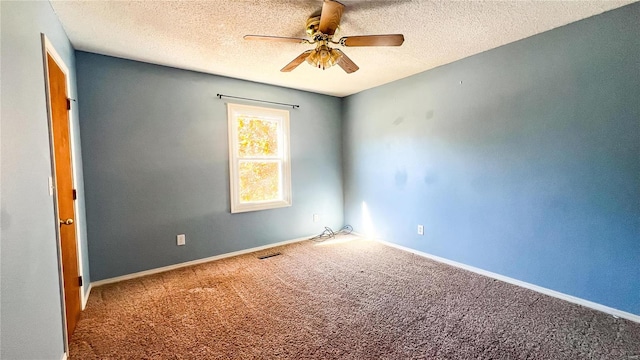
48 49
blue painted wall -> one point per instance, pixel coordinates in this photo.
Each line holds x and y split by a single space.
31 313
157 165
523 160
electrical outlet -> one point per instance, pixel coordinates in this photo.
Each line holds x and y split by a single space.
420 230
181 239
316 217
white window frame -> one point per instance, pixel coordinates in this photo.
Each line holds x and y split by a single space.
282 118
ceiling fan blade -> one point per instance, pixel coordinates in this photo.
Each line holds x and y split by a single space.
330 17
276 38
297 61
373 40
346 64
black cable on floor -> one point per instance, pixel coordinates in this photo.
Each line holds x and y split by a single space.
328 233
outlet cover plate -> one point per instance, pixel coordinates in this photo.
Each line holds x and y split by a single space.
420 230
181 239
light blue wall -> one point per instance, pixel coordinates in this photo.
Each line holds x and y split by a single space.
523 160
157 165
31 314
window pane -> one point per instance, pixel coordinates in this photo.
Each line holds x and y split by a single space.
257 137
259 181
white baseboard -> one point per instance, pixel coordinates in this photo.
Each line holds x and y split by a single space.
64 356
526 285
85 296
193 262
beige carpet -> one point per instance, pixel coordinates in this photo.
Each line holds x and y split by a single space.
350 299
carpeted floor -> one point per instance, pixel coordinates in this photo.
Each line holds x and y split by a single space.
349 299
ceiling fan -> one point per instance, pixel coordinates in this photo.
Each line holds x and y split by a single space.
321 28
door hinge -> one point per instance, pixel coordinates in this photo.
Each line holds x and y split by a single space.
79 280
68 104
75 194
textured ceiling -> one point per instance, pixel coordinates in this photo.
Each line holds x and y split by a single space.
206 36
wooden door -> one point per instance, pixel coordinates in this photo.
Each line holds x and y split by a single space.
64 191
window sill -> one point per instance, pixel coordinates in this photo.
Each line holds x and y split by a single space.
246 207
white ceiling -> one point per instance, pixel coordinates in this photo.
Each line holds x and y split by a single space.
206 36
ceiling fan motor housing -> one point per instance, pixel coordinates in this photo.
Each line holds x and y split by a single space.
313 25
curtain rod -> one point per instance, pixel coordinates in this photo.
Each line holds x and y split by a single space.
220 96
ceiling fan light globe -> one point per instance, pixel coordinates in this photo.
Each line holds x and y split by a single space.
335 56
323 57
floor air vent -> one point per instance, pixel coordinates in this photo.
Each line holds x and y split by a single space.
269 256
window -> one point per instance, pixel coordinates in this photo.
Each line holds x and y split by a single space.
259 164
